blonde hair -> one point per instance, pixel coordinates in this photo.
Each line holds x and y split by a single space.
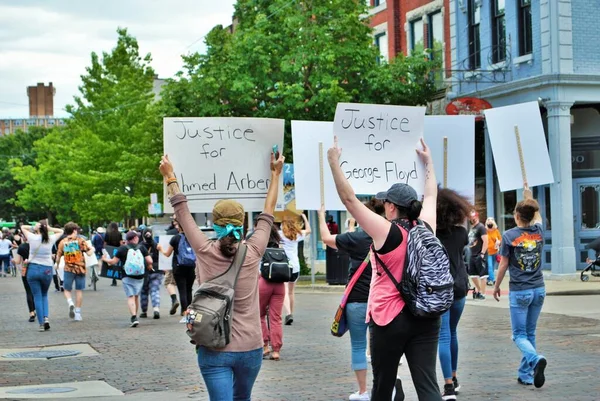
290 228
491 220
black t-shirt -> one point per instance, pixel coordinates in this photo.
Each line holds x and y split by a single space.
454 240
356 245
23 250
122 255
152 249
476 240
175 245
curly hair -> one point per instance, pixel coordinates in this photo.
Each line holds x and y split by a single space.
290 228
452 208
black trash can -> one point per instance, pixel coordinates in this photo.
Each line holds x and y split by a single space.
336 266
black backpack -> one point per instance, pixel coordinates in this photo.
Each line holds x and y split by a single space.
275 266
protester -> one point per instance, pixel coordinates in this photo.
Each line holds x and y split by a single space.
170 283
332 226
356 244
39 269
73 247
521 254
494 241
395 331
20 263
452 212
271 296
153 279
184 267
478 243
98 241
132 283
113 238
5 247
230 372
291 235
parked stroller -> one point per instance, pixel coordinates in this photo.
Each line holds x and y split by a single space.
593 266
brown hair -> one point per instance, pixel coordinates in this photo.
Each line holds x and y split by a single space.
376 206
526 210
290 228
227 246
44 231
452 209
70 227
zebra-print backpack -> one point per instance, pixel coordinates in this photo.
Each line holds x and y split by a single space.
427 286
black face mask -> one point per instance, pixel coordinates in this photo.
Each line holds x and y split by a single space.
490 226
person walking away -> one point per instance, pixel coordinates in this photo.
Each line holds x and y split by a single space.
152 280
356 244
521 254
394 330
113 237
21 264
230 372
169 282
184 268
452 212
98 241
135 260
5 247
271 296
291 235
332 226
41 239
478 243
72 247
494 241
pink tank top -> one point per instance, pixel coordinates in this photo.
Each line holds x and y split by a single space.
385 301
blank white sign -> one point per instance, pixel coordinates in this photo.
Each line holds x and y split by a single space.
165 263
460 131
501 123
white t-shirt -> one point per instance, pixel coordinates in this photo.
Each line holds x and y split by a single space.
5 246
291 250
39 252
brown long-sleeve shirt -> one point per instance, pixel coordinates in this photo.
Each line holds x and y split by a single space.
246 334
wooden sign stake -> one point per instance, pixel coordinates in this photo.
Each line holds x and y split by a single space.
445 182
521 158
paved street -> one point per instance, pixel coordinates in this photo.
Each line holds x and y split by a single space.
155 361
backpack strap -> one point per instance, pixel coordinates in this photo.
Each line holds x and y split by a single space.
230 276
387 271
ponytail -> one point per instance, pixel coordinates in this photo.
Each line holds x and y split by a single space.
414 211
44 231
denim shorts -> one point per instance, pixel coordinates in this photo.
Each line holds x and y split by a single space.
132 286
70 277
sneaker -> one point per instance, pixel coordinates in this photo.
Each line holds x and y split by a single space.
183 320
78 317
289 319
491 283
156 315
449 392
174 306
475 294
358 396
46 324
31 318
538 373
456 385
71 311
480 296
134 321
521 382
42 328
143 315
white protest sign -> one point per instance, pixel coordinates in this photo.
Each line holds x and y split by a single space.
460 134
306 136
501 123
222 158
165 263
378 146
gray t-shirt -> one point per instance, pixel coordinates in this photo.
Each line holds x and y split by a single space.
523 247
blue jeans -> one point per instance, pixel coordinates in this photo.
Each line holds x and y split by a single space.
229 375
525 309
4 263
356 315
448 343
39 278
492 263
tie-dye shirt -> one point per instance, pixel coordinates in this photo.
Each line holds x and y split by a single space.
523 247
72 250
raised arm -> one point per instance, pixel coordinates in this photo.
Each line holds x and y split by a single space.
326 236
307 230
428 213
376 226
276 169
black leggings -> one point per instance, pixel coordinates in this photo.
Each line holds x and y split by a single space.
418 340
30 302
184 278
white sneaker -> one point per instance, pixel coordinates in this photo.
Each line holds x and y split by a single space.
360 397
183 320
78 317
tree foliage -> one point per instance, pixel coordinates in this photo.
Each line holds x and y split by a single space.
294 60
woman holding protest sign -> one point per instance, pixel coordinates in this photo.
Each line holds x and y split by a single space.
230 372
394 330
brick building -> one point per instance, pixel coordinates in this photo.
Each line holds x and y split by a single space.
41 100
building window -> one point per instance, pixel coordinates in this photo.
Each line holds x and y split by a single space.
417 44
525 29
498 31
18 123
474 40
435 43
378 3
381 41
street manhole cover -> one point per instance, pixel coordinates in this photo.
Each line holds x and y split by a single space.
43 390
41 354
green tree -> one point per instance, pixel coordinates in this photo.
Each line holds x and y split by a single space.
296 61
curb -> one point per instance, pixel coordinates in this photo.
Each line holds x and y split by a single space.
574 292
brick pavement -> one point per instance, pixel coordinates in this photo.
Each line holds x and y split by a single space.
155 360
